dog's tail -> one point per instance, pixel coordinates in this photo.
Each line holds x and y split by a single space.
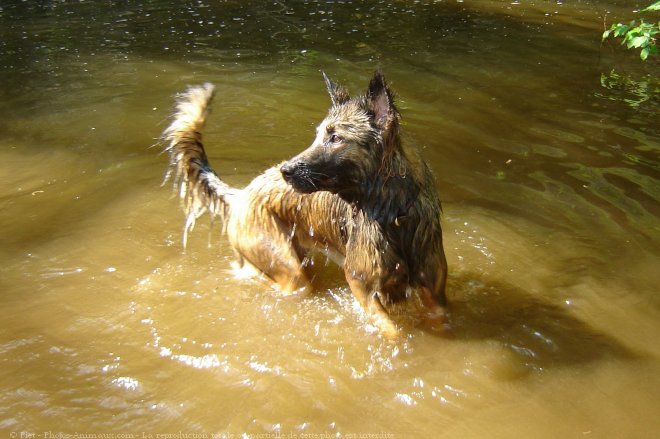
199 187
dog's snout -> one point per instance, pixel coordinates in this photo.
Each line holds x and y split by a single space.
297 174
288 169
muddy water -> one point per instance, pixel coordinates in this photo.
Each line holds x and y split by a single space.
547 162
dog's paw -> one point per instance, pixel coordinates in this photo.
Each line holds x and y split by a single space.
386 327
436 321
281 293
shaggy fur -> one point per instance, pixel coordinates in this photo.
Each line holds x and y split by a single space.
356 193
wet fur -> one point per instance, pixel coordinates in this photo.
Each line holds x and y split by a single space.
356 193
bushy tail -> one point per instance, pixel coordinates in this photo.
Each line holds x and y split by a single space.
200 189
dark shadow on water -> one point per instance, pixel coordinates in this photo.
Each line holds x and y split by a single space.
536 332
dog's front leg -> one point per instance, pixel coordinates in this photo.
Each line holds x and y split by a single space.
368 299
433 295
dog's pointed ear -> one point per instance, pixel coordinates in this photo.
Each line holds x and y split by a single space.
381 99
338 94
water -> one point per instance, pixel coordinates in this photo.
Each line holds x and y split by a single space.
546 156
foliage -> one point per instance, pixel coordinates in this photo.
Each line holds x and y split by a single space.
639 36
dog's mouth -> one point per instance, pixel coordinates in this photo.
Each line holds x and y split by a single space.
303 179
300 185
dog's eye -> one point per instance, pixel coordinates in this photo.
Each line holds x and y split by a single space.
336 138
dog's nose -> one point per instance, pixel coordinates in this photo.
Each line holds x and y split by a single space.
288 169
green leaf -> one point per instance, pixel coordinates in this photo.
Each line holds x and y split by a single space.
654 7
655 29
621 30
638 42
644 53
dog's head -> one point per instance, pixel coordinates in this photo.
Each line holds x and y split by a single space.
352 145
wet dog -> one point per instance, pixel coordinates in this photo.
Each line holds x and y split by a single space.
357 193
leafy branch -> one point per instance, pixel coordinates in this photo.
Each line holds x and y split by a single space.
639 36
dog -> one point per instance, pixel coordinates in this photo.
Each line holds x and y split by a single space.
357 193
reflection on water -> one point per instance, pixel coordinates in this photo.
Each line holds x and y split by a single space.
547 161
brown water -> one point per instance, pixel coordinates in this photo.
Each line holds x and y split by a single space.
547 163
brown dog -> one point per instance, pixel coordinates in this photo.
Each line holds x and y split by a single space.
356 194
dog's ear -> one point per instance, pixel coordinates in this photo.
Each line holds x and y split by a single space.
338 94
381 100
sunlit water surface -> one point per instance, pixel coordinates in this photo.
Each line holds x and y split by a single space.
546 149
